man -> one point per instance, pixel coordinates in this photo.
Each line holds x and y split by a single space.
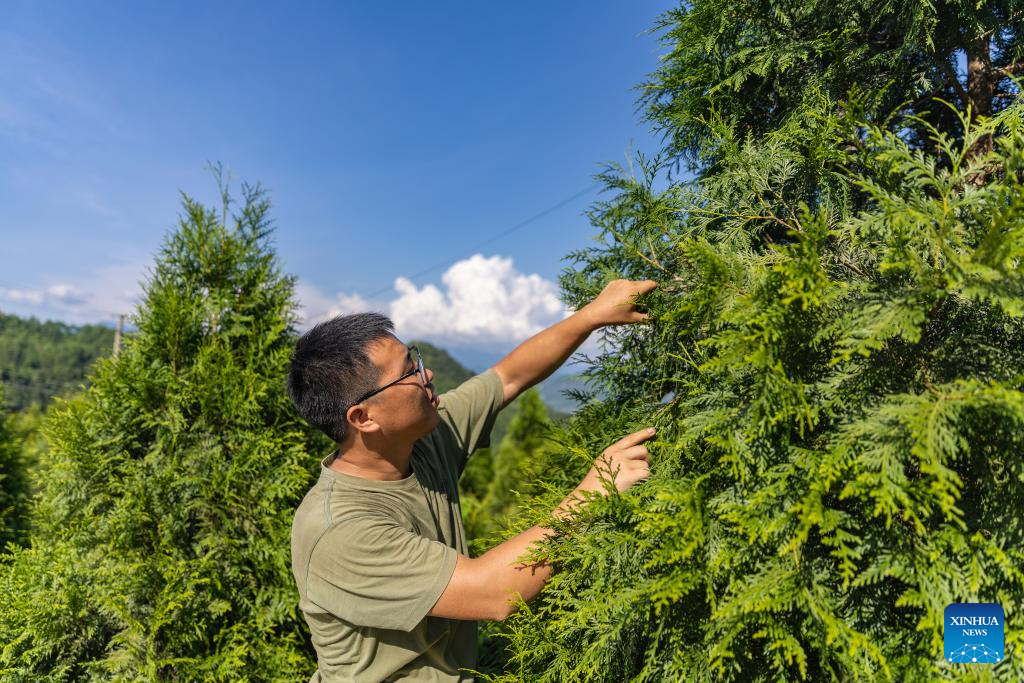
378 548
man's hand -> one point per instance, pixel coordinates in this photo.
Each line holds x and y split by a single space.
537 357
615 304
627 460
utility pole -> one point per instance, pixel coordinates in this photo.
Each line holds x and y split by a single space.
117 334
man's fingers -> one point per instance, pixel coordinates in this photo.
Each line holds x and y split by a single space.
642 287
645 286
642 470
638 452
634 438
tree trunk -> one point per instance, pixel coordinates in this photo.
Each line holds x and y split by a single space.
981 87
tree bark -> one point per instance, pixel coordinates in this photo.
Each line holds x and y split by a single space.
982 79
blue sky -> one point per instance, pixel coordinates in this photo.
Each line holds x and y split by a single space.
390 136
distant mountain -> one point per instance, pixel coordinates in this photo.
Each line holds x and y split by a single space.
553 389
448 372
39 360
474 358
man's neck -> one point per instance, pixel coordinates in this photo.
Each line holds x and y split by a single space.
362 460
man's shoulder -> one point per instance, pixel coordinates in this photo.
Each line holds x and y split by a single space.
483 385
309 522
317 512
334 513
329 502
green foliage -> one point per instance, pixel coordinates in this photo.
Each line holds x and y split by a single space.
834 367
750 65
39 360
492 483
15 488
27 426
161 533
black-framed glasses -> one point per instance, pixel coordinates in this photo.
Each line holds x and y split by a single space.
419 369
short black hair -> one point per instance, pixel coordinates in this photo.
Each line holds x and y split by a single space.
330 368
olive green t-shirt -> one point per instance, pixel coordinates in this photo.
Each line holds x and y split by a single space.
371 558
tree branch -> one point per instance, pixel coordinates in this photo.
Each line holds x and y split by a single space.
1009 69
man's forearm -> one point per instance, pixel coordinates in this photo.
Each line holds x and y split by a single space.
543 353
513 578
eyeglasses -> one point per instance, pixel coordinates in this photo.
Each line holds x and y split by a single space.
419 369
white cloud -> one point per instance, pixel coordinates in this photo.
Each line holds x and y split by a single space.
65 294
62 294
486 300
107 293
483 301
314 306
31 296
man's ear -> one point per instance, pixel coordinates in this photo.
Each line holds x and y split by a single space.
359 419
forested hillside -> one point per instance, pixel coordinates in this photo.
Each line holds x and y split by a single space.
448 372
39 360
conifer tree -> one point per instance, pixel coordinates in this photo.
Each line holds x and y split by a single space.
833 362
160 544
752 64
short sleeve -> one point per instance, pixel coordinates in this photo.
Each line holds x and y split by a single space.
469 410
371 571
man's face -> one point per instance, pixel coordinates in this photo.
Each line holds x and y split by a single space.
407 408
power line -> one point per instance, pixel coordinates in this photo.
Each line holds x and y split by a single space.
493 238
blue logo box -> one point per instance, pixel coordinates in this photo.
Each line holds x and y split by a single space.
973 633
